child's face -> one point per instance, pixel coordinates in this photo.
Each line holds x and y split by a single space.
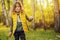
17 9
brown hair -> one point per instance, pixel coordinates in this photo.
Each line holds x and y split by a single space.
14 6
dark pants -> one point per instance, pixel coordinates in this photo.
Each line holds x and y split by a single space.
19 35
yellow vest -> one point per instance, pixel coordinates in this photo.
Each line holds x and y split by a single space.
23 19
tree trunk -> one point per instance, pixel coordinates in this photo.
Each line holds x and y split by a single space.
33 12
4 11
21 1
8 2
43 18
56 15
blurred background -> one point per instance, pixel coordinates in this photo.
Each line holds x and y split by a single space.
46 20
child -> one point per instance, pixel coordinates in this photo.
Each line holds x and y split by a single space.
18 22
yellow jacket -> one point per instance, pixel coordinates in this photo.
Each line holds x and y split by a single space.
23 19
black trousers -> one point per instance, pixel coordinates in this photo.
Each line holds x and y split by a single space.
19 35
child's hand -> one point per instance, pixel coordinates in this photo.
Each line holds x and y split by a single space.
31 18
10 34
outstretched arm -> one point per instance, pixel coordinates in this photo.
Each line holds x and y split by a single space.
29 19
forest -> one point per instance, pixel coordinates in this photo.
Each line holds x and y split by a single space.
46 18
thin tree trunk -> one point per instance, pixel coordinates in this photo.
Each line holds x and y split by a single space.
8 2
33 12
4 11
21 1
14 1
48 13
56 15
43 18
18 0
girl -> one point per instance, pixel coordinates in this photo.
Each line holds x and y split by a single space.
18 22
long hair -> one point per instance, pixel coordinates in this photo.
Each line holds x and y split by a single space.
14 6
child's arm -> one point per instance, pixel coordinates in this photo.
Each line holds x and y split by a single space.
29 19
11 27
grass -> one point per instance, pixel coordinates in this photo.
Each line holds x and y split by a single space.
38 34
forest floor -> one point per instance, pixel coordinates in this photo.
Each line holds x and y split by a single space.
38 34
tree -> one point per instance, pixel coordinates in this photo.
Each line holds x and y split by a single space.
56 17
8 2
43 18
33 12
21 1
4 12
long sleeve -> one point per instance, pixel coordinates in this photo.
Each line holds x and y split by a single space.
28 18
11 24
